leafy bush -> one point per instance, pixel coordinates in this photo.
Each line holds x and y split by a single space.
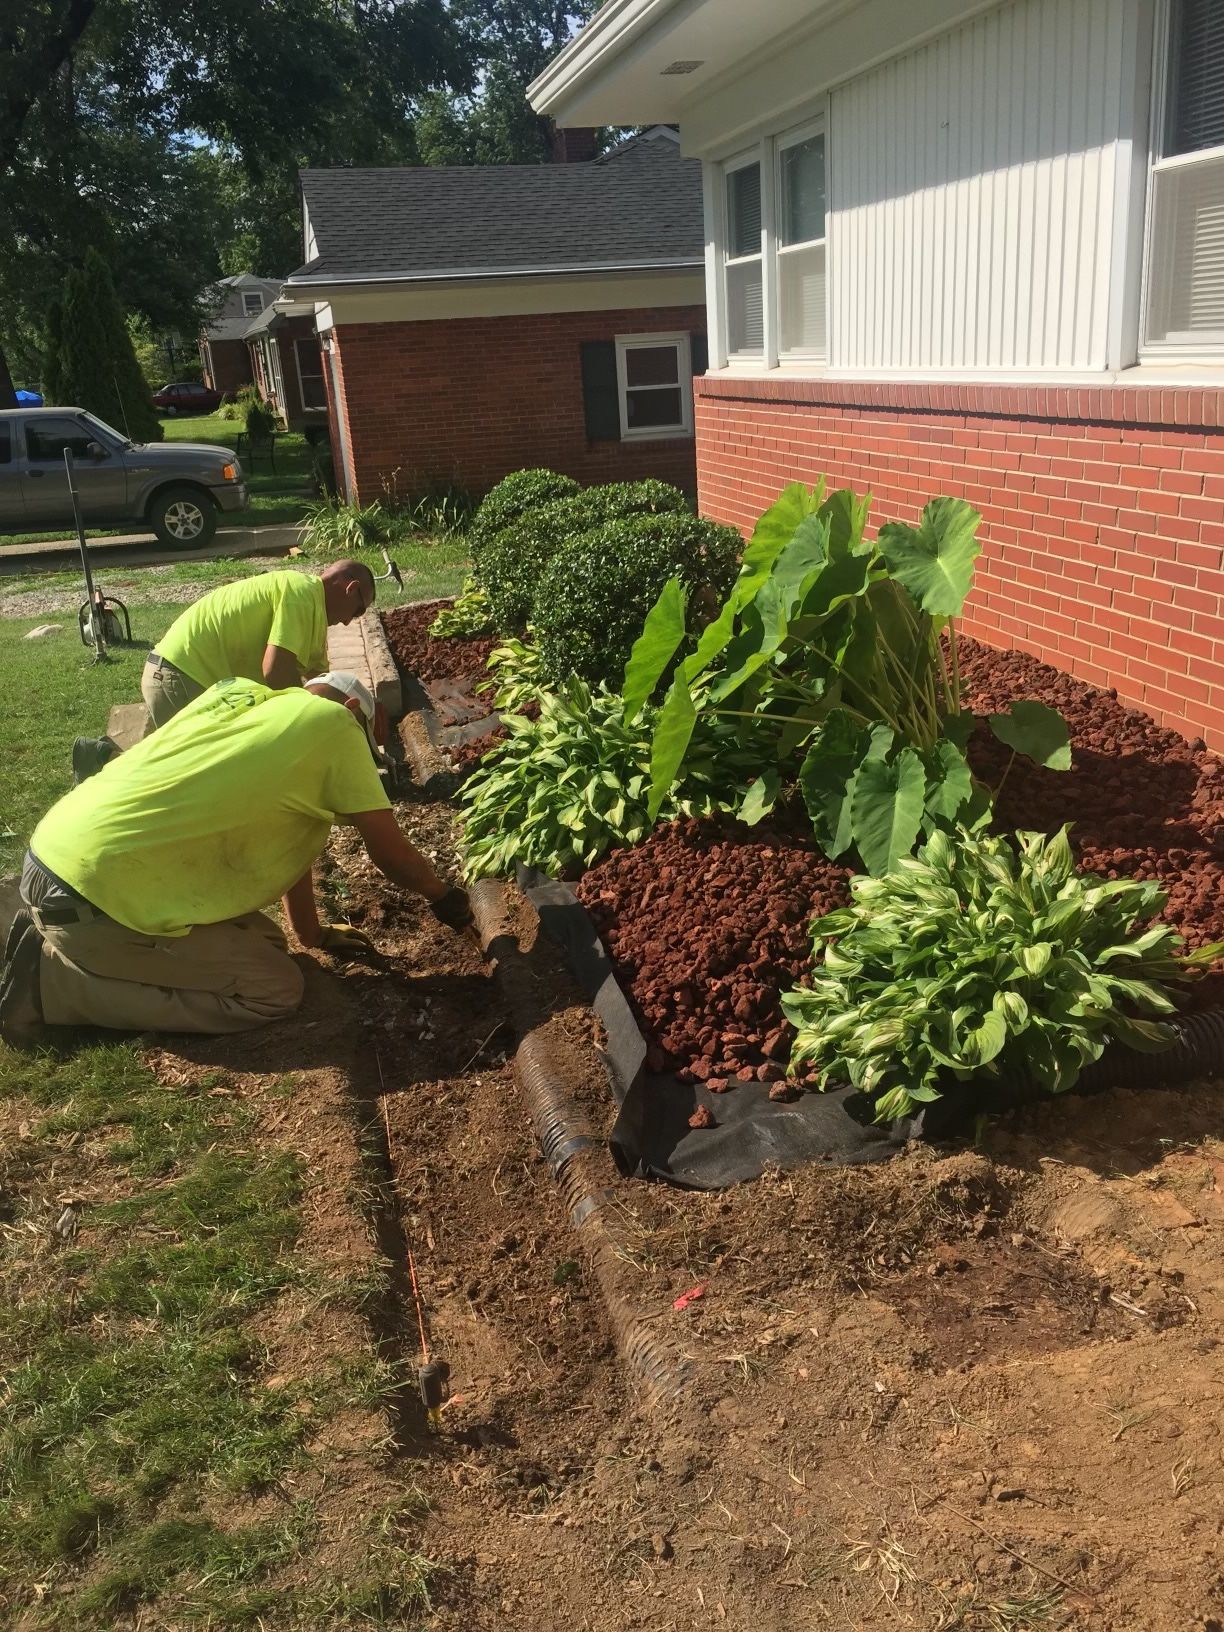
573 784
468 615
512 498
334 528
513 565
602 585
977 957
235 407
259 419
848 649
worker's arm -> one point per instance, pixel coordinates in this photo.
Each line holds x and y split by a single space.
303 915
394 857
280 668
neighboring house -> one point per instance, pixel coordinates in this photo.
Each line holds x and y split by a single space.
233 304
973 249
481 319
287 366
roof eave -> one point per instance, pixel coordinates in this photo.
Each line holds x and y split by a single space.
611 29
489 275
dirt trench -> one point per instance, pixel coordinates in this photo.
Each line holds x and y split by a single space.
971 1388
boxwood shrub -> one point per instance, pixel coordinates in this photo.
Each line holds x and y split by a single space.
512 566
514 497
601 585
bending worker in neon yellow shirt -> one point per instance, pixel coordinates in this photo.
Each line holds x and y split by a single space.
143 887
272 627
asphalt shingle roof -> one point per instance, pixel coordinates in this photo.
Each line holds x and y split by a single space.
637 206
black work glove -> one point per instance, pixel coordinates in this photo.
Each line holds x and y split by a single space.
453 909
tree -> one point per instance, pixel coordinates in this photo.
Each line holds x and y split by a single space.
495 124
110 108
95 365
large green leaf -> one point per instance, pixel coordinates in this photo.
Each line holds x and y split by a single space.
654 648
886 809
846 514
935 559
761 797
1037 732
673 732
949 782
826 780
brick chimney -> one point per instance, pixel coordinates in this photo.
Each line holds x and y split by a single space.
575 146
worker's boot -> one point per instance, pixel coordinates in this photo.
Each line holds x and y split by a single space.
89 755
21 1016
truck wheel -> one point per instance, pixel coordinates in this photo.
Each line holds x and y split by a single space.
183 518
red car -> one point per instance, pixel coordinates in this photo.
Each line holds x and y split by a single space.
190 397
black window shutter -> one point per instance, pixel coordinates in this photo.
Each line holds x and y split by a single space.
600 392
699 353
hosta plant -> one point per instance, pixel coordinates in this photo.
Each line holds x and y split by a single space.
845 648
573 784
467 616
516 674
977 956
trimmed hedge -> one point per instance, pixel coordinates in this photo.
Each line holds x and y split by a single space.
513 498
512 565
602 585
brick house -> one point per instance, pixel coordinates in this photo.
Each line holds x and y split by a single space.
287 366
477 320
233 304
967 248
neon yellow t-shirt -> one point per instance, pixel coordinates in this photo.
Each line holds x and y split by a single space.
216 814
224 633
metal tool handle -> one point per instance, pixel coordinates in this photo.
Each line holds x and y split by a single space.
96 621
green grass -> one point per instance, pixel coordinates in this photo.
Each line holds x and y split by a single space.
140 1419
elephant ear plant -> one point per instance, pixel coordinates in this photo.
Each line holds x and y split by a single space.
981 956
844 651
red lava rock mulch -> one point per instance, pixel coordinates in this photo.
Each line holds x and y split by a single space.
707 924
418 652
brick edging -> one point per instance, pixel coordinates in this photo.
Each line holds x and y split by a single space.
1185 408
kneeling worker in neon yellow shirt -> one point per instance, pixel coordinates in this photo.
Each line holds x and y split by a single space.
143 887
272 627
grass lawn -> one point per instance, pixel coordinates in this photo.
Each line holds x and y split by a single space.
155 1460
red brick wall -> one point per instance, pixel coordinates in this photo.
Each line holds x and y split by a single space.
471 399
1103 510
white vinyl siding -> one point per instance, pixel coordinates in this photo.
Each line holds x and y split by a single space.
1185 297
979 190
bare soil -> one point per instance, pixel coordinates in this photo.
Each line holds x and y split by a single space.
966 1388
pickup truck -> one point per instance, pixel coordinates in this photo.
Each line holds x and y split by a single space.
176 488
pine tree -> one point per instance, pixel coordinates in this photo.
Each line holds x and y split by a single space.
53 373
96 365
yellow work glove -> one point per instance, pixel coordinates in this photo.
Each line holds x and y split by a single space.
343 938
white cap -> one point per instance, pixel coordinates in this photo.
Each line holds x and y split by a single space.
348 685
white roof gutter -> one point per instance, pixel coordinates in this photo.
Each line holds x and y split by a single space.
614 26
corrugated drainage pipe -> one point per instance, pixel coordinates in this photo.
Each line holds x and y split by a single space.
1198 1052
581 1162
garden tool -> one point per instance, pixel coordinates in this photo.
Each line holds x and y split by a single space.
98 623
392 572
434 1380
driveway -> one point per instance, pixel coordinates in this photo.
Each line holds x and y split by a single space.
141 550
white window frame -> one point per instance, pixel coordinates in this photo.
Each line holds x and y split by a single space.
297 364
767 152
1187 346
252 294
758 155
779 144
626 343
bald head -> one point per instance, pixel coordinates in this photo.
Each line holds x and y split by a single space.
348 590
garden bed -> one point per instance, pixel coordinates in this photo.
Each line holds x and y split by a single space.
706 922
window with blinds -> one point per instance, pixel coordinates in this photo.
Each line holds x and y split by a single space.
1185 299
745 284
801 246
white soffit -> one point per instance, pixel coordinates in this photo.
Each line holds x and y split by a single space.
644 61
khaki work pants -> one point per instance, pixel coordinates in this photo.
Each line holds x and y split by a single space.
216 978
165 690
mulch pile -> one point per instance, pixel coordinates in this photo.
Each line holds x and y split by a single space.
417 652
706 923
